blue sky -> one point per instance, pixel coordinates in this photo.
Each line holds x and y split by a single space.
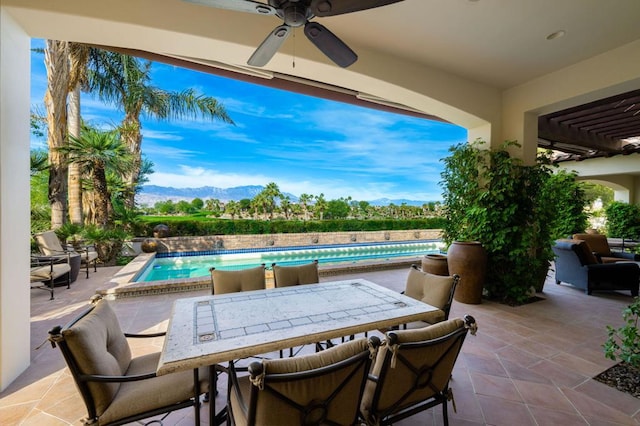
303 144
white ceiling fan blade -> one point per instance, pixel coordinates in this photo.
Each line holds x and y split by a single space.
238 5
269 46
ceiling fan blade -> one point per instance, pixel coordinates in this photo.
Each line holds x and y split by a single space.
339 7
238 5
330 44
269 46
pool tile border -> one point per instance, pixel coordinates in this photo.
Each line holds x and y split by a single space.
123 286
291 248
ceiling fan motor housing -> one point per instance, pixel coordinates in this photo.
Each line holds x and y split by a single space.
294 13
298 13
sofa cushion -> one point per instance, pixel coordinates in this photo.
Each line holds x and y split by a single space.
597 243
584 253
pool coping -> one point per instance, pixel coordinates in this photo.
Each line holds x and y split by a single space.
121 285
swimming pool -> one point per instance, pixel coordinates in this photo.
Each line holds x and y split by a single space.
169 266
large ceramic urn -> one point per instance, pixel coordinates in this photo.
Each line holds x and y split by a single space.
435 264
468 259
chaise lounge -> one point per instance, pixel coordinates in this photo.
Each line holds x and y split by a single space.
578 266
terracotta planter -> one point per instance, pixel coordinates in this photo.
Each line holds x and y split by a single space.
468 259
435 264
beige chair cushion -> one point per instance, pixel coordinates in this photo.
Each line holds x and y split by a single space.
433 290
400 380
88 256
285 276
145 395
45 273
49 243
236 281
272 411
100 348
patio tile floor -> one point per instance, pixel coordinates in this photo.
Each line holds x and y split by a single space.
531 364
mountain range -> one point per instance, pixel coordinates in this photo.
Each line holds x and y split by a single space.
151 194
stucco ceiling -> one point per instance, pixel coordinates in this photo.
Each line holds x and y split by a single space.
495 43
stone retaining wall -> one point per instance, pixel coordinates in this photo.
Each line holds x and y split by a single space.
230 242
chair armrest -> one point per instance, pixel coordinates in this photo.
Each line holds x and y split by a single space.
116 379
83 248
146 335
40 261
50 260
612 267
56 253
625 255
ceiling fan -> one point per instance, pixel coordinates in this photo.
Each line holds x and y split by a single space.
296 13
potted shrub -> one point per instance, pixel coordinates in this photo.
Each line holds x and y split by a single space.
493 198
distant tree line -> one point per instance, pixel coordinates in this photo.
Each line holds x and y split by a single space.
271 203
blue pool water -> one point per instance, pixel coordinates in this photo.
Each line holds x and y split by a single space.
192 265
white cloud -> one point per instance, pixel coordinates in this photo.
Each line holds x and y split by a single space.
195 177
160 135
170 152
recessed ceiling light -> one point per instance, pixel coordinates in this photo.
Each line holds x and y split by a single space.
556 34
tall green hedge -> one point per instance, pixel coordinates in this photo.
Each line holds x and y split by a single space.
182 226
623 220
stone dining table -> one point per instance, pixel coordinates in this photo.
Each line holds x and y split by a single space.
208 330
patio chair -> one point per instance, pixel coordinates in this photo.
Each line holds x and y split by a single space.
323 388
434 290
115 387
47 269
50 245
599 246
412 371
576 264
231 281
285 276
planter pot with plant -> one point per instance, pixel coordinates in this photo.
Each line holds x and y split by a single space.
510 208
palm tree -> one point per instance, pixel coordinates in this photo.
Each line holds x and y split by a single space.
320 206
55 100
270 193
232 208
125 82
39 161
285 206
78 59
97 152
304 200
